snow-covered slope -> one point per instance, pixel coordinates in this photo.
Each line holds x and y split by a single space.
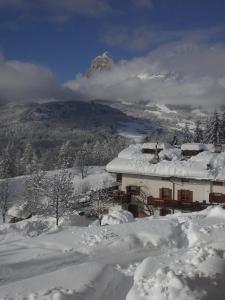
181 256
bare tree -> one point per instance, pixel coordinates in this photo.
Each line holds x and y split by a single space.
100 201
82 161
60 192
35 189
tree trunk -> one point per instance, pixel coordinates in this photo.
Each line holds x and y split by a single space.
3 218
57 211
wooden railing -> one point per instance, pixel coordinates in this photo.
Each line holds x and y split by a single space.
195 205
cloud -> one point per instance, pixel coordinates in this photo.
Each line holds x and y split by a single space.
141 38
21 81
178 73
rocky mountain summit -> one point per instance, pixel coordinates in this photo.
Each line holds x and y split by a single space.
100 63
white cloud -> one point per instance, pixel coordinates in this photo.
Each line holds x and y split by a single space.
144 37
21 81
177 73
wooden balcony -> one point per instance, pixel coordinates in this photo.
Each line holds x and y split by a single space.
174 204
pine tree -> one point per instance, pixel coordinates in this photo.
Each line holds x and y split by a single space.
7 164
65 156
29 159
213 130
187 135
222 128
198 133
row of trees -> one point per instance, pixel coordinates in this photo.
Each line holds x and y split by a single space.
213 132
19 162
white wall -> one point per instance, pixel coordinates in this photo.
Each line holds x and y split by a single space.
151 186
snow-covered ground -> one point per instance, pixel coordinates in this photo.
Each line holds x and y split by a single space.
180 256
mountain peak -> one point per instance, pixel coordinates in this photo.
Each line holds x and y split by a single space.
100 63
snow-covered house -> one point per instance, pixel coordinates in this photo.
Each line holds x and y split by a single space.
170 178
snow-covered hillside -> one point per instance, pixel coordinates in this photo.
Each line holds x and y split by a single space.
181 256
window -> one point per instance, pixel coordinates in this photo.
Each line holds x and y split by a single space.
165 194
217 197
133 190
185 196
119 177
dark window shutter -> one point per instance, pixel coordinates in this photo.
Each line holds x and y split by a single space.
170 194
179 195
210 197
161 193
190 196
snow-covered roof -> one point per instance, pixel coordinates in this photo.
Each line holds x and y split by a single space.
152 146
206 165
193 147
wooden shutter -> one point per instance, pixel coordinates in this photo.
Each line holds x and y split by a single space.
190 196
179 195
161 193
223 198
210 197
170 194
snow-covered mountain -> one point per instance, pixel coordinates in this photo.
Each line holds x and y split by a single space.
100 63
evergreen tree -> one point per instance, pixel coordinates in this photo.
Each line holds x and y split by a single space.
65 155
198 133
29 159
7 164
222 128
187 135
213 130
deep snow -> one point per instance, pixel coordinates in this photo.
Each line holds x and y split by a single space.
180 256
206 165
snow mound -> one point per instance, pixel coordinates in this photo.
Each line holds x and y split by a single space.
53 294
19 211
74 220
31 227
217 212
117 216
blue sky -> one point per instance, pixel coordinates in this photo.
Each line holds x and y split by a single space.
164 51
64 35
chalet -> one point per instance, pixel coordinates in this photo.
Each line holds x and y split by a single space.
169 179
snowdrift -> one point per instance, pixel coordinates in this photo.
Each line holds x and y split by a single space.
117 216
180 256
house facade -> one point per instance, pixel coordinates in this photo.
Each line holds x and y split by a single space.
189 178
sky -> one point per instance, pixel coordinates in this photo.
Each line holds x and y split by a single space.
45 44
